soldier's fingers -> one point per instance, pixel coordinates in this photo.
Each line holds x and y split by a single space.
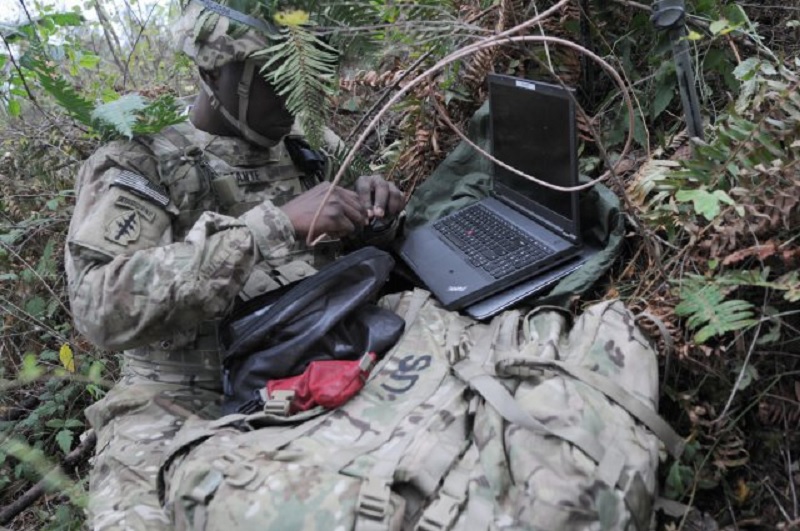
340 226
364 187
357 211
396 200
381 198
351 209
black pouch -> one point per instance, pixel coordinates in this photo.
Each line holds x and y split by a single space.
329 316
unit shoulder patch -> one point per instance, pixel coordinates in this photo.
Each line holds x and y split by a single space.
124 229
144 210
142 187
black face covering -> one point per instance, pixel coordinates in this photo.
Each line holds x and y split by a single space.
240 125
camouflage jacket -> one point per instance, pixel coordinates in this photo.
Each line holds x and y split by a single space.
167 231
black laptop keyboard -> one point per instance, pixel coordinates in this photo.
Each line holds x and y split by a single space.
489 242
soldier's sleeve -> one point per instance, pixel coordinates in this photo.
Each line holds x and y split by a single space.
130 284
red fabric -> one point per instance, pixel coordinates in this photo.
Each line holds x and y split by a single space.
328 384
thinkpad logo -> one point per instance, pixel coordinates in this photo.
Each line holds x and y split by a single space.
457 289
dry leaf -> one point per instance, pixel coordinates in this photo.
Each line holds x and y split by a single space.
761 251
742 491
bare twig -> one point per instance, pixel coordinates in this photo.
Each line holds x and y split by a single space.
369 114
111 36
20 410
35 492
38 276
142 27
502 38
21 75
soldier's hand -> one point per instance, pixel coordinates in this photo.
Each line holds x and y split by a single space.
342 214
379 197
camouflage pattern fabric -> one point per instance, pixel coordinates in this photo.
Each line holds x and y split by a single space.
416 450
211 40
167 230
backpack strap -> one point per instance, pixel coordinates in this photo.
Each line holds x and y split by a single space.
443 512
418 299
374 496
673 442
610 463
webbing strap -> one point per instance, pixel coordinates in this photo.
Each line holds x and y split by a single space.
243 91
372 509
241 127
272 439
500 399
442 513
255 23
495 394
673 442
418 299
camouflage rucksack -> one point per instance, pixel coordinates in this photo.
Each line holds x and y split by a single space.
518 423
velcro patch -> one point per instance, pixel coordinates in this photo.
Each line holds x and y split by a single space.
142 186
145 211
124 229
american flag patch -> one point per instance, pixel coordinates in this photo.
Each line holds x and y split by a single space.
142 186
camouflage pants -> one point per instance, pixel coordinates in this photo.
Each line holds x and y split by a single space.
135 423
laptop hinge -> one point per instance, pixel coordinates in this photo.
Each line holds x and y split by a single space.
546 223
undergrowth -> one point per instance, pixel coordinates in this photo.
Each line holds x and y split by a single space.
721 218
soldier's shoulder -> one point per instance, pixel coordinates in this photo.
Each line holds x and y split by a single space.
131 155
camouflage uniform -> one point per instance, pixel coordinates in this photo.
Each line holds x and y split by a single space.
166 232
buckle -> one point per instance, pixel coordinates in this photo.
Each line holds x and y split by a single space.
279 403
440 515
243 90
366 363
373 499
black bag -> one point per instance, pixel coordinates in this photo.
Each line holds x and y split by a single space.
331 315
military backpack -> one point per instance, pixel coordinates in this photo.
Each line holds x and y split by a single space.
526 422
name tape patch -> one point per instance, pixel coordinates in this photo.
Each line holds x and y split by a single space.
145 211
142 186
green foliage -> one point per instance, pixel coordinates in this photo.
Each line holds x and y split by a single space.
709 313
121 117
356 169
706 203
302 67
120 114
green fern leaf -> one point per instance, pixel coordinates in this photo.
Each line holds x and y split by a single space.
711 315
158 114
302 68
120 114
355 170
65 94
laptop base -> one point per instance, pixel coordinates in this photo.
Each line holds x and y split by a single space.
538 285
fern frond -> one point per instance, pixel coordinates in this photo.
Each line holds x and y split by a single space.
158 114
710 314
69 99
301 67
120 114
356 169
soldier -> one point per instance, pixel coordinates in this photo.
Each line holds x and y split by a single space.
168 230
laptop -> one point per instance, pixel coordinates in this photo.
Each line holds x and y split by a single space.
522 229
538 286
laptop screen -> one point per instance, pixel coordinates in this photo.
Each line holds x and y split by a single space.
533 130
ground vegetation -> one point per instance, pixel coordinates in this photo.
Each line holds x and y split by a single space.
712 248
